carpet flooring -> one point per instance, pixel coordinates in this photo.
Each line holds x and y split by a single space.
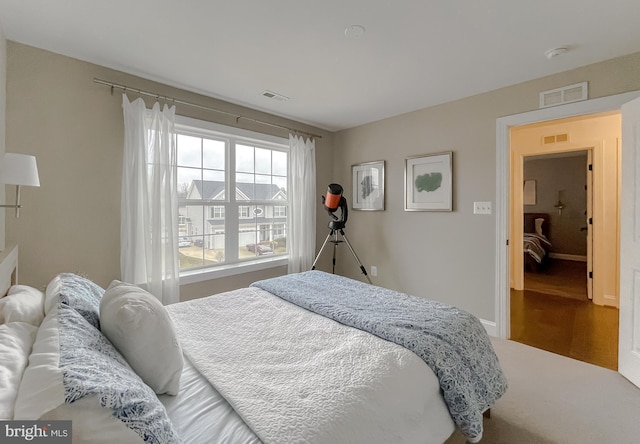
559 400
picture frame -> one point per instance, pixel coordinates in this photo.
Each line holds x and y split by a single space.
529 192
367 184
428 182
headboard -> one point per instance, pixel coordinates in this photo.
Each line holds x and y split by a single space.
530 224
8 268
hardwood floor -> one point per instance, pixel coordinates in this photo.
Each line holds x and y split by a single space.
565 323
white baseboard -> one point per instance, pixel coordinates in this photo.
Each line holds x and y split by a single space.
568 257
490 327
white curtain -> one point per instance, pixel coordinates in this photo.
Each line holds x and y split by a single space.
302 203
149 220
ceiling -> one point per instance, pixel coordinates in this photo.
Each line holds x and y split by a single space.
412 55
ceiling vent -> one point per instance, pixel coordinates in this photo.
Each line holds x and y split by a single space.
275 96
566 94
555 139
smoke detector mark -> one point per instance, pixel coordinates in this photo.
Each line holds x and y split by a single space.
354 32
275 96
555 52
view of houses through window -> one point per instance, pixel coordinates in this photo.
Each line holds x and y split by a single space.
232 195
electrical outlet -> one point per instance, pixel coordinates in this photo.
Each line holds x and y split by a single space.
374 270
482 208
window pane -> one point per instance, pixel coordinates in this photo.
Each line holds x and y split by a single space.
214 247
263 179
186 177
248 244
217 176
244 178
280 182
214 185
244 159
189 151
263 161
213 154
189 236
265 234
279 163
201 237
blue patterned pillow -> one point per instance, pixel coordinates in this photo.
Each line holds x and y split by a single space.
78 293
92 366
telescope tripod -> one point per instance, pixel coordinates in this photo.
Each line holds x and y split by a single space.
335 229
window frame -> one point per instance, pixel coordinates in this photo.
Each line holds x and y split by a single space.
200 128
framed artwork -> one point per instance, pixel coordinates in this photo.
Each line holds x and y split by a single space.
368 186
428 182
529 192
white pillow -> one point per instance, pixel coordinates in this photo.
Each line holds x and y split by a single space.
16 340
538 223
138 325
22 304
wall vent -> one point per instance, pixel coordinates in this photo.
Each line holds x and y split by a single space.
546 140
566 94
275 96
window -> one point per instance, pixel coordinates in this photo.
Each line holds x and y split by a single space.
217 212
279 211
232 189
244 212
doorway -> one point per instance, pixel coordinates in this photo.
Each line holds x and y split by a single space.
557 210
557 314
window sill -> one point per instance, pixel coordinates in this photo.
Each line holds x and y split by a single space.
200 275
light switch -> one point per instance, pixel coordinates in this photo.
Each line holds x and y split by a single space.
482 208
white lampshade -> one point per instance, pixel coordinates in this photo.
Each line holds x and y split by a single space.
19 169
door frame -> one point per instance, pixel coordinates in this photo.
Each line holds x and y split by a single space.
503 180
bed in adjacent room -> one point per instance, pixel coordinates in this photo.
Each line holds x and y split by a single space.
536 244
309 357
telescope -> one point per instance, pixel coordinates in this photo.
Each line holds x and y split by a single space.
333 202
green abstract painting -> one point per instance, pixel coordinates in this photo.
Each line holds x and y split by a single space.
428 182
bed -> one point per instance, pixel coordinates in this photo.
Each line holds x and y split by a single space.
536 244
309 357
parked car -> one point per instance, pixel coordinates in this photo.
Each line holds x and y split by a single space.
259 248
184 242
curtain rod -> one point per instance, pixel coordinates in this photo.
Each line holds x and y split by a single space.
203 107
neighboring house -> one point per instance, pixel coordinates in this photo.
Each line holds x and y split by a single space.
262 219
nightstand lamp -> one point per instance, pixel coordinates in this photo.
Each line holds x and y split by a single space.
19 170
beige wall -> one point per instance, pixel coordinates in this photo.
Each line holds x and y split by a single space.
75 129
449 256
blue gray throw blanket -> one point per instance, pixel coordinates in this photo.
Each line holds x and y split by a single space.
451 341
91 366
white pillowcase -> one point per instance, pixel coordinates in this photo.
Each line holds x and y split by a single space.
138 325
538 223
16 340
22 304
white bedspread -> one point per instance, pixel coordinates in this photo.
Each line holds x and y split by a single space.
297 377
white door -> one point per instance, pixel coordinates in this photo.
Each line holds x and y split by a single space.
629 341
